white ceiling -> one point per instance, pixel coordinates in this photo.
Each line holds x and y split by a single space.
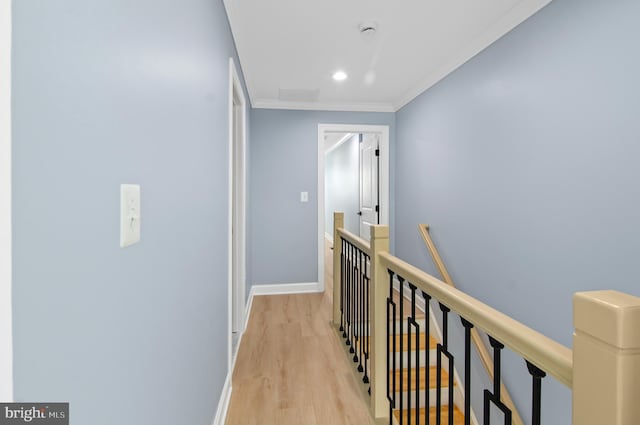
289 49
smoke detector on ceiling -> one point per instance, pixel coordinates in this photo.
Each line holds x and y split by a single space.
368 29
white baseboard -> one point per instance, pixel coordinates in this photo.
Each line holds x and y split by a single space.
223 403
284 288
247 311
329 237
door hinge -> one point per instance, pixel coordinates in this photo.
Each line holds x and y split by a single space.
377 152
377 208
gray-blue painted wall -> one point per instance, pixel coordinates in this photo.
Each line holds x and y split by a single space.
104 93
342 185
283 238
525 163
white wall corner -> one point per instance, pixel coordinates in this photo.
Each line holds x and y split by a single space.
6 338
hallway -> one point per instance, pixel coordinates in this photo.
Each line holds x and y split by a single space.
291 367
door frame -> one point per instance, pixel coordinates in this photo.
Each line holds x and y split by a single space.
236 239
6 337
383 173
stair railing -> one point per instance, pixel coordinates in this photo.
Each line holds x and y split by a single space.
602 370
351 293
481 348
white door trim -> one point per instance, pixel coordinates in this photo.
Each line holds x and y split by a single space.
6 338
383 131
236 240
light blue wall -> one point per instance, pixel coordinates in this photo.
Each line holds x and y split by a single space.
104 93
525 164
342 185
284 162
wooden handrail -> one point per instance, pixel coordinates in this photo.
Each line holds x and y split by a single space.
360 243
481 348
442 269
547 354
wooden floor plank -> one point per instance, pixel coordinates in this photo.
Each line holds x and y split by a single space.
291 367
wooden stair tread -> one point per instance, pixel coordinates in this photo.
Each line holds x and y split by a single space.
458 416
412 378
423 342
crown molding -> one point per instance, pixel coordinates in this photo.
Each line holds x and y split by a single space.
322 106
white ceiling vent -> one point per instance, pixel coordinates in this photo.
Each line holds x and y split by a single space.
298 95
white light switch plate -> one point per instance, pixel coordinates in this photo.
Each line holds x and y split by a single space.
304 196
129 214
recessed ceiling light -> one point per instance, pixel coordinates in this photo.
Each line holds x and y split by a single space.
339 76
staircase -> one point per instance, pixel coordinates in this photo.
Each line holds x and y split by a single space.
368 273
405 391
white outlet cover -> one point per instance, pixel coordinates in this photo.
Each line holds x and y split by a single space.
129 214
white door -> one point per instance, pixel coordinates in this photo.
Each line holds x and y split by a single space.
369 207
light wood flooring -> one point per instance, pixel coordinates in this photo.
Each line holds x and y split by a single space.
291 367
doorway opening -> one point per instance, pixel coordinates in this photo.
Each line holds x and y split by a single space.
237 210
353 177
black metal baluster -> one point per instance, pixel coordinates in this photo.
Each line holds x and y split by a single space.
413 322
354 298
346 295
427 369
350 295
391 349
408 368
361 337
445 331
401 320
356 303
467 370
343 267
365 379
495 397
443 350
536 374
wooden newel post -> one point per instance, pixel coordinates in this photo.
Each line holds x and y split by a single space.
377 306
338 223
606 358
